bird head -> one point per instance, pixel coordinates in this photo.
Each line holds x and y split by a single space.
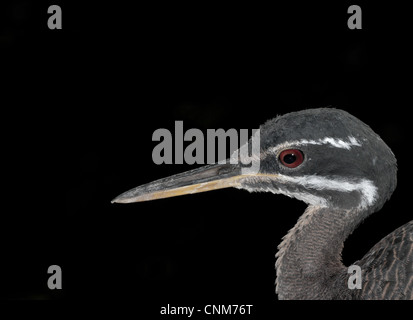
325 157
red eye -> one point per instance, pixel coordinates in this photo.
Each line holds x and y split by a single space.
291 158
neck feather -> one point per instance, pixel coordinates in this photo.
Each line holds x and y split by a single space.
309 258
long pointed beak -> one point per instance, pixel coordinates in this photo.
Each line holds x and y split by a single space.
207 178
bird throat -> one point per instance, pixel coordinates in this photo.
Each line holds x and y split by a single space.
309 262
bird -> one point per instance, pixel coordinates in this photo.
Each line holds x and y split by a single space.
345 172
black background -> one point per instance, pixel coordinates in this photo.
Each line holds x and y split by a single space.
79 108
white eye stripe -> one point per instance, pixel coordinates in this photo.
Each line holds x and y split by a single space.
334 142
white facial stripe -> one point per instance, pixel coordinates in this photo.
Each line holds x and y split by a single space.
366 187
334 142
303 196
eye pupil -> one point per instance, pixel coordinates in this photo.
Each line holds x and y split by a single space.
291 158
